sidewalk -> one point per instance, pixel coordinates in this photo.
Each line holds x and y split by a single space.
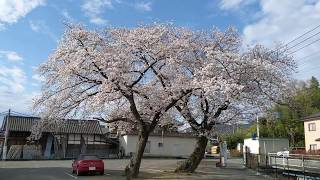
208 170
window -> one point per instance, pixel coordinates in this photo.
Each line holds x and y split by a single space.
312 126
313 147
147 149
160 144
88 157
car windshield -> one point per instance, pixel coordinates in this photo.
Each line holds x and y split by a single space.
89 157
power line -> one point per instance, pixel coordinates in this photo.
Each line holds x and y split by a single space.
303 41
15 113
305 46
302 35
298 43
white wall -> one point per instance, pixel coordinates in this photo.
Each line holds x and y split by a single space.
172 146
311 136
253 145
266 145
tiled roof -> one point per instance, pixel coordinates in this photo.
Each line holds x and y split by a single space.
24 124
165 134
312 117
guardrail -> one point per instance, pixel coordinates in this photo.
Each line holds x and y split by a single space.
295 162
301 166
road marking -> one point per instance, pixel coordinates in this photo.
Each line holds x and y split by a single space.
71 175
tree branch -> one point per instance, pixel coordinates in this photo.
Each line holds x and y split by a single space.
135 111
157 116
185 112
217 114
142 74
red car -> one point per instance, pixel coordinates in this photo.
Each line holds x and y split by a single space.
87 164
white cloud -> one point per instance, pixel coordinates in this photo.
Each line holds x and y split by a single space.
11 56
98 20
20 102
12 10
42 27
143 6
13 91
282 21
95 8
234 4
12 83
12 79
2 26
66 15
35 27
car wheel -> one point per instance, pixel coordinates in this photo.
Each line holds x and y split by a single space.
73 171
101 173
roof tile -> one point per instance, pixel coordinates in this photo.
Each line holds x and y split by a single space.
20 123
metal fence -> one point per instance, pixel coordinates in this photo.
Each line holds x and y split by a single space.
299 166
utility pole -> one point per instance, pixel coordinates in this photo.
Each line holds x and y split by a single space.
258 133
6 134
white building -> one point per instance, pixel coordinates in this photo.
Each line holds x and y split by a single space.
311 132
265 145
158 145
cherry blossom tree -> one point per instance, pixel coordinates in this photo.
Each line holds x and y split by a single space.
135 78
246 82
227 82
117 76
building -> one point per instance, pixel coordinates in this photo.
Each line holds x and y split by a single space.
66 141
265 145
312 132
171 144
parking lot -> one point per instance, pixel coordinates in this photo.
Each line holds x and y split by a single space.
150 169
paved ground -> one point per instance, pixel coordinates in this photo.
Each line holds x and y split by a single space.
150 169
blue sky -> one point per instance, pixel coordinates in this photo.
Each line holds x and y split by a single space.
30 30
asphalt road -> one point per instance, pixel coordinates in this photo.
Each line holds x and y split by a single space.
150 169
52 173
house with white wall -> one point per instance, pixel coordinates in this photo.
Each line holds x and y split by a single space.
171 144
312 132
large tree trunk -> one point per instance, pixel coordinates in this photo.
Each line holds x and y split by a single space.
191 164
132 169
